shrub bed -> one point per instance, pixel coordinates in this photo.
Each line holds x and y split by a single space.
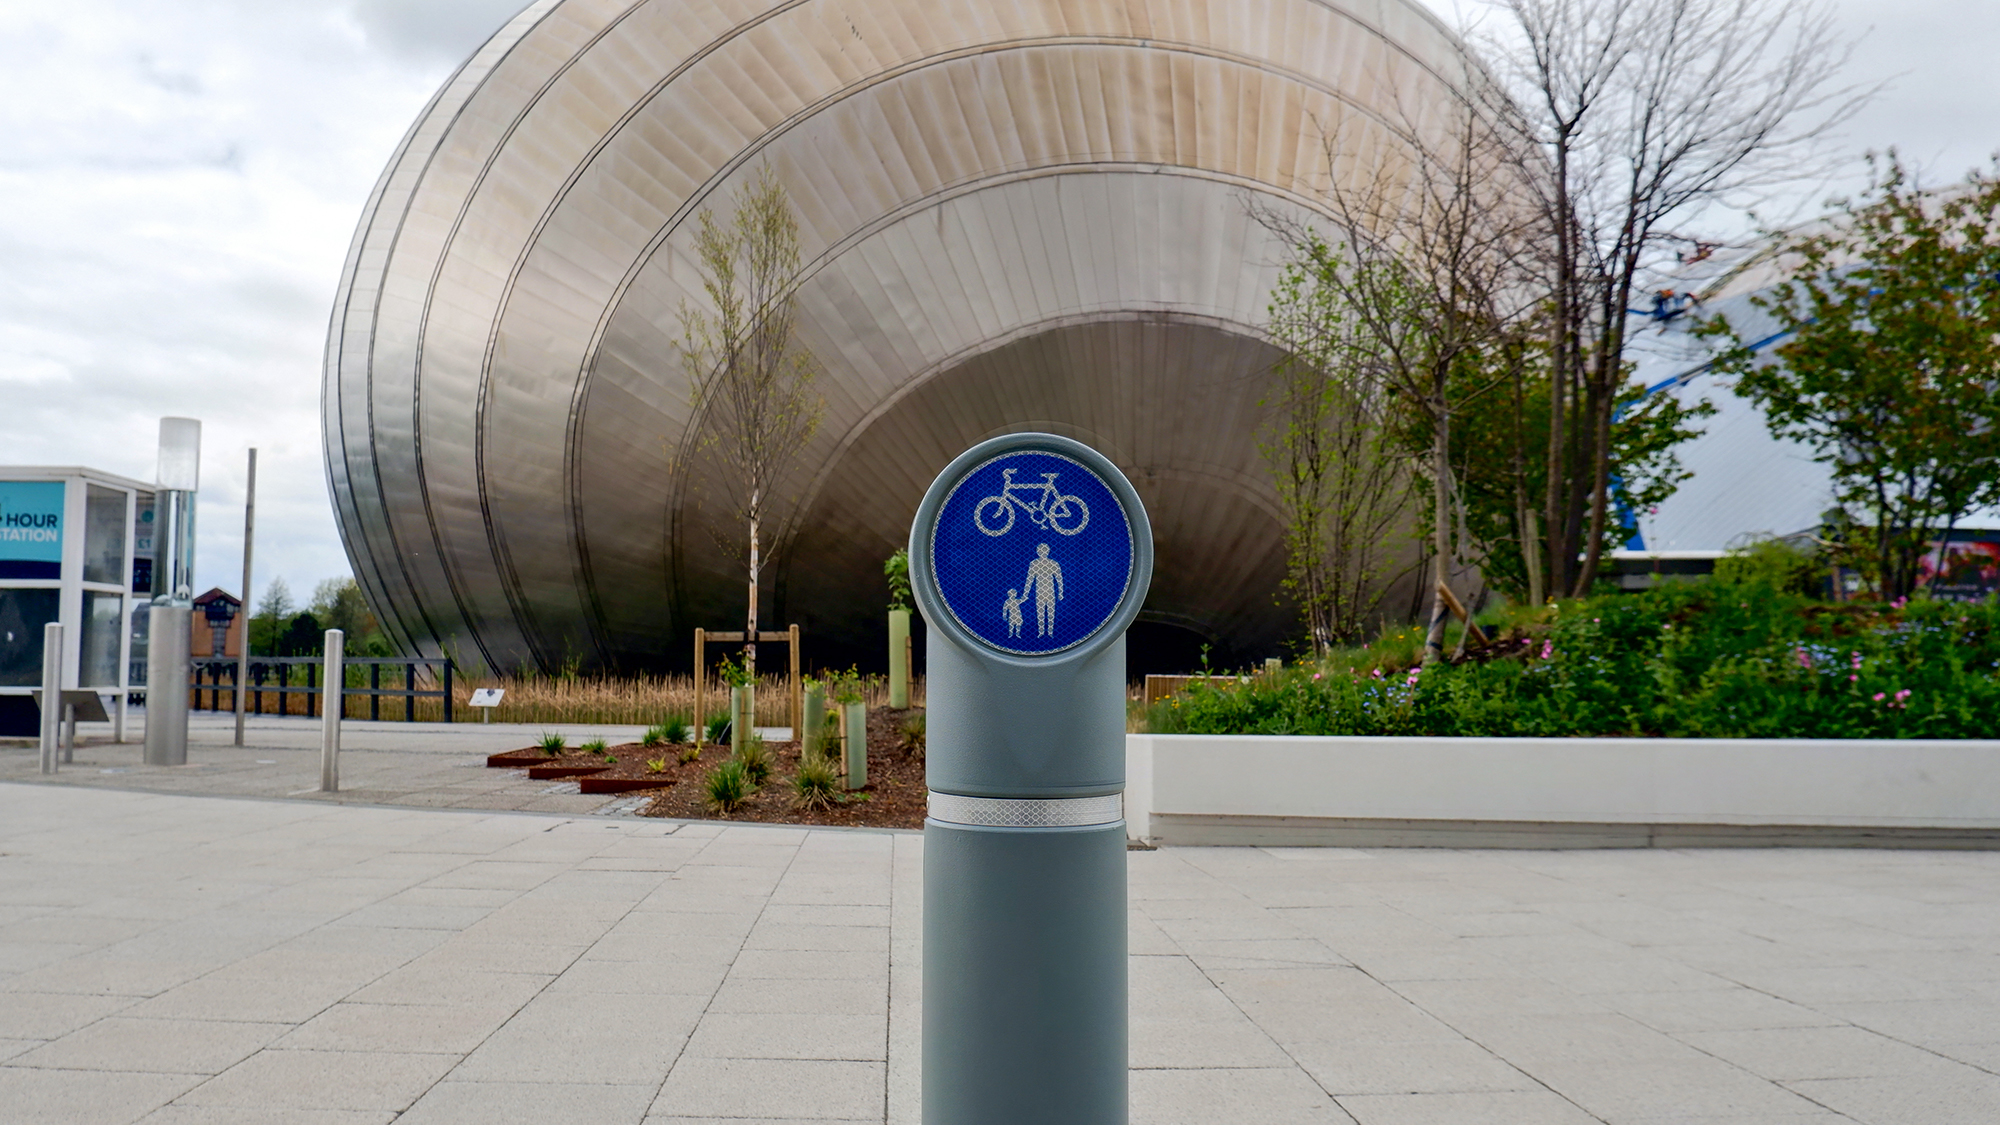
1716 659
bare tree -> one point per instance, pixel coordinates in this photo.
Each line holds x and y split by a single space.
1645 113
752 380
1429 264
1344 485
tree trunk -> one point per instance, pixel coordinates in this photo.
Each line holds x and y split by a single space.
1600 494
1440 532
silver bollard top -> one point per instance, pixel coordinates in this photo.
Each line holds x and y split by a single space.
1029 557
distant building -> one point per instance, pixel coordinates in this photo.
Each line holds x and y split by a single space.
1036 215
218 620
1747 484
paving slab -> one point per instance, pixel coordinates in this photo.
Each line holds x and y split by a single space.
174 959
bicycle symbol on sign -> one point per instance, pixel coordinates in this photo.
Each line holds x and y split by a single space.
1064 514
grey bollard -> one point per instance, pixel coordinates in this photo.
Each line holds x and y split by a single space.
854 743
1029 557
333 702
51 704
167 638
69 734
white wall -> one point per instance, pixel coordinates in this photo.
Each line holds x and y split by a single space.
1617 781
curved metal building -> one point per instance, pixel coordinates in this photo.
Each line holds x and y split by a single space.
1029 214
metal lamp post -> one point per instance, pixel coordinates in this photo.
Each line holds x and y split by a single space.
171 618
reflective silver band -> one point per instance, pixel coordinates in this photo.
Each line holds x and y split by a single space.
1026 812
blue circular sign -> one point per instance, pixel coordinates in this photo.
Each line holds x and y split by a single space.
1032 552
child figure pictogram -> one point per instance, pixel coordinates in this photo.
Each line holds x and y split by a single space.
1012 610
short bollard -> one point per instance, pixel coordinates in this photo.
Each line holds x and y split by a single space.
1029 557
52 662
332 704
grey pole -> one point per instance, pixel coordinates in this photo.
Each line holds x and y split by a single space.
243 653
331 705
52 668
1025 996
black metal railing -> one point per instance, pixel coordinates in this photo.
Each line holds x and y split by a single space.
274 676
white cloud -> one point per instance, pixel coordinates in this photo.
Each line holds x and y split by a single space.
177 192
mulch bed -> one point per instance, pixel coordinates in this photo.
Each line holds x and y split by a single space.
893 798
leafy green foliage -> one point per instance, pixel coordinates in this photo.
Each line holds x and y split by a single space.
716 725
911 737
756 759
689 753
553 744
817 784
656 765
728 785
733 674
897 570
1716 659
671 731
1891 372
594 746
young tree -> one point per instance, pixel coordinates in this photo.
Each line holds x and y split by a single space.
1645 112
1891 363
337 604
1431 268
273 616
752 379
1344 484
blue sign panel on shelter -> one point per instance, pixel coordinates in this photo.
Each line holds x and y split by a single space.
1033 552
31 529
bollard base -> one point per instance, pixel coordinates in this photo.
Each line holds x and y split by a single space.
1024 975
168 638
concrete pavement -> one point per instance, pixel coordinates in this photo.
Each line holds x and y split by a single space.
422 765
176 959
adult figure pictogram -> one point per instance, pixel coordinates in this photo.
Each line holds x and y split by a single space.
1046 577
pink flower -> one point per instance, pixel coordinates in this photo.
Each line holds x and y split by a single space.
1377 673
1851 679
1878 697
1548 649
1855 660
1316 675
1805 659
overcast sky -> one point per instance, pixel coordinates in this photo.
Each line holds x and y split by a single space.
179 182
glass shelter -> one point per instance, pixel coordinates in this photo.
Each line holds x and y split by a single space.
75 547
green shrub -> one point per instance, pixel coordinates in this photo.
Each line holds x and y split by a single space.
1777 563
817 785
690 753
911 737
677 729
594 746
756 759
654 738
553 745
656 765
1735 658
728 786
716 726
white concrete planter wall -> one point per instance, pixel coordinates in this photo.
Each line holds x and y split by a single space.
1584 792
